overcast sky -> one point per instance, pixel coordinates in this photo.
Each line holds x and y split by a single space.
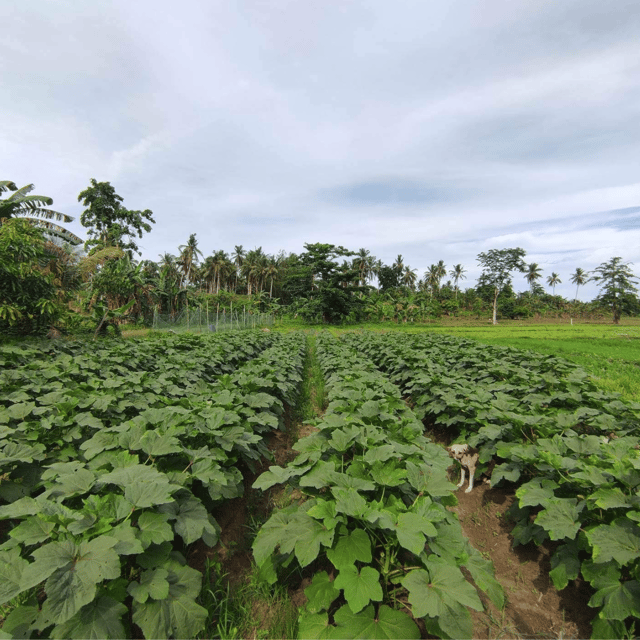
435 130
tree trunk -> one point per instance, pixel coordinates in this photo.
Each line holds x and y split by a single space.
495 307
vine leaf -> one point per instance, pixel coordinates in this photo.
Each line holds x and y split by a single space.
411 530
360 587
73 584
143 486
618 600
178 615
388 624
619 541
154 528
320 593
561 518
430 593
536 492
12 567
565 565
351 547
153 583
101 618
315 626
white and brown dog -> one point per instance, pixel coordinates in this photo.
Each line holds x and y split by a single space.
468 458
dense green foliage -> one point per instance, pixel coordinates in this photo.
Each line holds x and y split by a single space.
27 293
572 451
113 459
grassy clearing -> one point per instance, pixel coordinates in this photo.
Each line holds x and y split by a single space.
253 610
311 403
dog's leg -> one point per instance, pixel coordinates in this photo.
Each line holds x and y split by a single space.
461 477
472 473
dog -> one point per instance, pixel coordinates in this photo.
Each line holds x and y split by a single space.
468 458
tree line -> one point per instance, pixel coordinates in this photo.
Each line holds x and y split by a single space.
51 278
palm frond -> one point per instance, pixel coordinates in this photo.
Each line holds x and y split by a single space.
21 193
90 263
7 185
56 230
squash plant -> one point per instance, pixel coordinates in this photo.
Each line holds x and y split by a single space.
375 520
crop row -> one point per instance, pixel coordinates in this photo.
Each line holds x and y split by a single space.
374 522
108 478
572 450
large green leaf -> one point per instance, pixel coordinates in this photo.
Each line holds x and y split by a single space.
387 624
360 586
618 600
352 547
101 618
191 520
619 541
178 615
278 475
483 575
536 491
565 564
153 584
154 528
442 586
315 626
412 530
155 443
33 530
429 480
349 502
320 593
561 518
143 486
73 585
293 531
12 567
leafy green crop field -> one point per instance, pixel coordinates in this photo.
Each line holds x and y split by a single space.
115 454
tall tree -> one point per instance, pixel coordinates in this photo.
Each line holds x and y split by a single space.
35 209
441 272
457 273
579 278
617 286
189 254
533 273
553 280
409 277
497 267
108 222
332 297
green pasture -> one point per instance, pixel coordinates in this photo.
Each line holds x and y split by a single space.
610 353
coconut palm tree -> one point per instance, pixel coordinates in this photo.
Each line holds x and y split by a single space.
553 280
189 257
362 262
238 258
34 208
533 273
441 271
579 278
457 273
399 263
409 278
432 280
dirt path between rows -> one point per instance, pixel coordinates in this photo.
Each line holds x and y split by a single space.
534 608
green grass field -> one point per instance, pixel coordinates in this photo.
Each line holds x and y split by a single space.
610 353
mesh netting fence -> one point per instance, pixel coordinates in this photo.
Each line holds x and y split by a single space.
198 320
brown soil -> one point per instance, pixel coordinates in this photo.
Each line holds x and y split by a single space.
534 608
